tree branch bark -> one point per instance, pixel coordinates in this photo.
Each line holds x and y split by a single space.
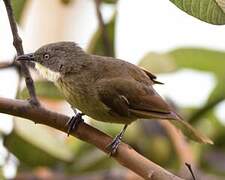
17 42
125 155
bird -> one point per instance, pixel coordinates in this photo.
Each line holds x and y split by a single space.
105 88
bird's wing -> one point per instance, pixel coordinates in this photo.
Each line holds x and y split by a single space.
129 97
133 99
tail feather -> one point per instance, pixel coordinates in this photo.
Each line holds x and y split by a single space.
176 120
190 131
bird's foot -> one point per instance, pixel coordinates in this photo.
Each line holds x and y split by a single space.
112 147
73 122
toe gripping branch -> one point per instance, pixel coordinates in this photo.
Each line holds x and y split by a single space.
74 121
112 147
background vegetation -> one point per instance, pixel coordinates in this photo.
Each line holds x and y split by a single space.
45 153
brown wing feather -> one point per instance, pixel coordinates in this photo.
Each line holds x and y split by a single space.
123 96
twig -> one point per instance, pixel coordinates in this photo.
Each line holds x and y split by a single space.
181 147
125 155
102 26
17 42
191 171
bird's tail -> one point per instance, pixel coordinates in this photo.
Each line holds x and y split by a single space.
176 120
190 131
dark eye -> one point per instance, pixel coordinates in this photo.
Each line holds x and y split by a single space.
46 56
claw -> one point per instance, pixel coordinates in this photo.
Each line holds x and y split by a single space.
112 147
73 122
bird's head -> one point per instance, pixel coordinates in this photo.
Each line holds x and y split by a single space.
54 59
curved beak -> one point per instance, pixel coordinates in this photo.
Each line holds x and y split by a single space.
25 57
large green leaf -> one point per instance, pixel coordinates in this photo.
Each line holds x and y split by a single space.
44 89
211 11
193 58
35 145
200 59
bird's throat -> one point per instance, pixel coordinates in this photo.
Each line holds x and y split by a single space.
47 73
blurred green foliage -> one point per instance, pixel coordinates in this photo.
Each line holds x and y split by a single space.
193 58
18 6
96 45
37 146
44 89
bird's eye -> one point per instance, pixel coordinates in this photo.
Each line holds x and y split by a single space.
46 56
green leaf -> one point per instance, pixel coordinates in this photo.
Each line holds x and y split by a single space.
66 2
200 59
216 97
18 6
44 89
158 63
110 1
35 145
211 11
193 58
96 45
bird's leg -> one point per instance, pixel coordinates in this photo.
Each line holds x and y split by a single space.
74 121
112 147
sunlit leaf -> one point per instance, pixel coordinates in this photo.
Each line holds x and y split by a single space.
211 11
200 59
158 63
35 145
193 58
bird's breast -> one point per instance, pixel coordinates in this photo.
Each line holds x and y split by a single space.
88 102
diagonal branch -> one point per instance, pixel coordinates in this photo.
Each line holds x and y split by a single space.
17 42
125 155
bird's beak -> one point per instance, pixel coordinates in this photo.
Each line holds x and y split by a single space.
25 57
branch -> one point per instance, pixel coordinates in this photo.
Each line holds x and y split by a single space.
181 146
17 42
102 26
125 155
120 173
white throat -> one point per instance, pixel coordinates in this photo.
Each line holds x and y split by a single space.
47 73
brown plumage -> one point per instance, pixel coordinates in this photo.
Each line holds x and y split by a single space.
107 89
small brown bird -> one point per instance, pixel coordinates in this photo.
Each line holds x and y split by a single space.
105 88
